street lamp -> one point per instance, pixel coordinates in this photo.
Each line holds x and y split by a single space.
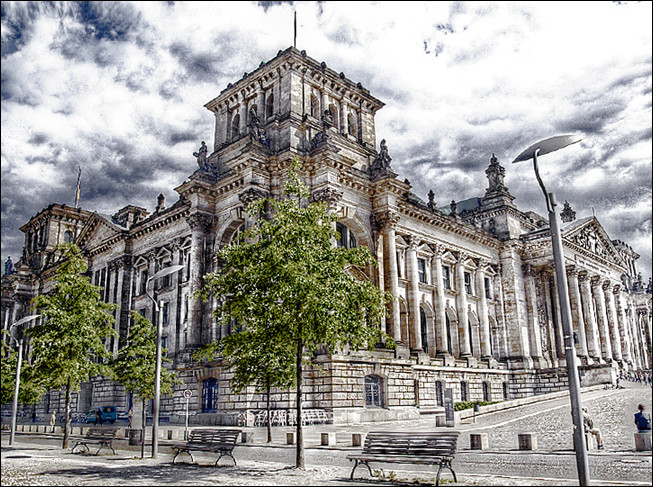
14 406
157 367
541 148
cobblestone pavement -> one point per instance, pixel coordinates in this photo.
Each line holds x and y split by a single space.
39 460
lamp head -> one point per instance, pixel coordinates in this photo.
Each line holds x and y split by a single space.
547 145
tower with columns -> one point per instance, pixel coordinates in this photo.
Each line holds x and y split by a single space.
473 305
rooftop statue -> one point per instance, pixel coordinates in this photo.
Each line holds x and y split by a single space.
201 156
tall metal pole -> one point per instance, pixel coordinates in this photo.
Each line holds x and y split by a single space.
14 406
157 382
580 445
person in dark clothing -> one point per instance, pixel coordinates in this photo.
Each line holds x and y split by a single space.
642 420
98 417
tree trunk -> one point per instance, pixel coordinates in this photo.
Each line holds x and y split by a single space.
66 427
143 430
300 431
268 409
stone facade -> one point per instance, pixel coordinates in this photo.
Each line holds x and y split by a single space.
474 305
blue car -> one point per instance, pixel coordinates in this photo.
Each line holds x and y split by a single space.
109 414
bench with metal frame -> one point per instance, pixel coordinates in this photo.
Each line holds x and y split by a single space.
436 448
220 441
102 436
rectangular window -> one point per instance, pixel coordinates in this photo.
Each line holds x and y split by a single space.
421 270
164 320
446 276
468 283
488 293
144 277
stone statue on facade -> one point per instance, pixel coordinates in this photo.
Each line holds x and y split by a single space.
381 165
256 131
9 267
201 156
327 120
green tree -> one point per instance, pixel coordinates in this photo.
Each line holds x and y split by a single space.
292 292
31 390
69 347
134 365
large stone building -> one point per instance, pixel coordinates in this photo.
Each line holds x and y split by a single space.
474 305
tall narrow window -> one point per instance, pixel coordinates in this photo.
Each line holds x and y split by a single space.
423 329
488 293
468 283
486 392
315 107
164 320
421 270
446 276
144 277
210 395
269 106
373 391
439 393
346 237
448 330
68 236
463 392
352 126
235 127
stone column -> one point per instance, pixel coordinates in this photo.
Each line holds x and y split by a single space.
463 313
556 348
440 321
484 323
387 222
501 317
535 339
260 103
602 318
243 115
635 333
343 117
591 328
620 301
577 313
198 223
613 326
413 294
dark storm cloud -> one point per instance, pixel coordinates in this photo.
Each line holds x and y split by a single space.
206 66
344 34
268 5
37 139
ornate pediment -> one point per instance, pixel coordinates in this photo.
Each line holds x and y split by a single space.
593 239
97 231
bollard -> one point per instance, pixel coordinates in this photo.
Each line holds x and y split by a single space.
527 441
290 438
643 441
590 441
246 437
478 441
356 439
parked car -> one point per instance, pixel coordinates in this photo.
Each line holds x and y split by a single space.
109 414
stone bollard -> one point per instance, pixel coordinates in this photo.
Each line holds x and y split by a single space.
643 441
478 441
327 439
290 438
134 436
247 437
356 439
590 441
527 441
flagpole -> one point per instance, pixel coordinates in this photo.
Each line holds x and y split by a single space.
77 191
294 43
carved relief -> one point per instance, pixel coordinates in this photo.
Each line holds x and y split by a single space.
250 195
329 195
386 218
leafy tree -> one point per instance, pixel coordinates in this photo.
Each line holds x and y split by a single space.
292 292
68 347
31 390
134 365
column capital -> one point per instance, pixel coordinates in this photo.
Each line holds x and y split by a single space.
597 281
413 241
199 221
606 284
388 218
329 195
252 194
572 271
438 249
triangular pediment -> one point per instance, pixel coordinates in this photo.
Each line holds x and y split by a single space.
591 237
97 231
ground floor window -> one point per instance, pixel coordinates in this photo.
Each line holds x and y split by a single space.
439 393
486 391
373 391
210 395
463 392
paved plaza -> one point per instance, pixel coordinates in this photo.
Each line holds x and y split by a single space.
37 459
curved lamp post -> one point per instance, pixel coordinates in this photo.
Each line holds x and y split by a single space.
535 150
14 406
157 368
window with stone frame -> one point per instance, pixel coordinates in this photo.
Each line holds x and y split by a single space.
446 276
486 392
468 282
346 237
165 319
464 396
421 270
315 107
68 236
423 329
373 391
488 288
269 106
448 331
352 125
235 127
439 393
144 276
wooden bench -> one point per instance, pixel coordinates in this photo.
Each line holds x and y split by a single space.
221 441
417 448
99 435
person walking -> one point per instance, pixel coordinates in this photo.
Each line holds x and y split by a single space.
642 420
53 421
98 417
588 426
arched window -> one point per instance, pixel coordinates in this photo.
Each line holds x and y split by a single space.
486 392
464 397
210 395
68 236
269 106
352 126
346 237
423 329
235 127
237 236
373 391
439 393
334 115
315 107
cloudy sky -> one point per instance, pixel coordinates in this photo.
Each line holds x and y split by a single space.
118 88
